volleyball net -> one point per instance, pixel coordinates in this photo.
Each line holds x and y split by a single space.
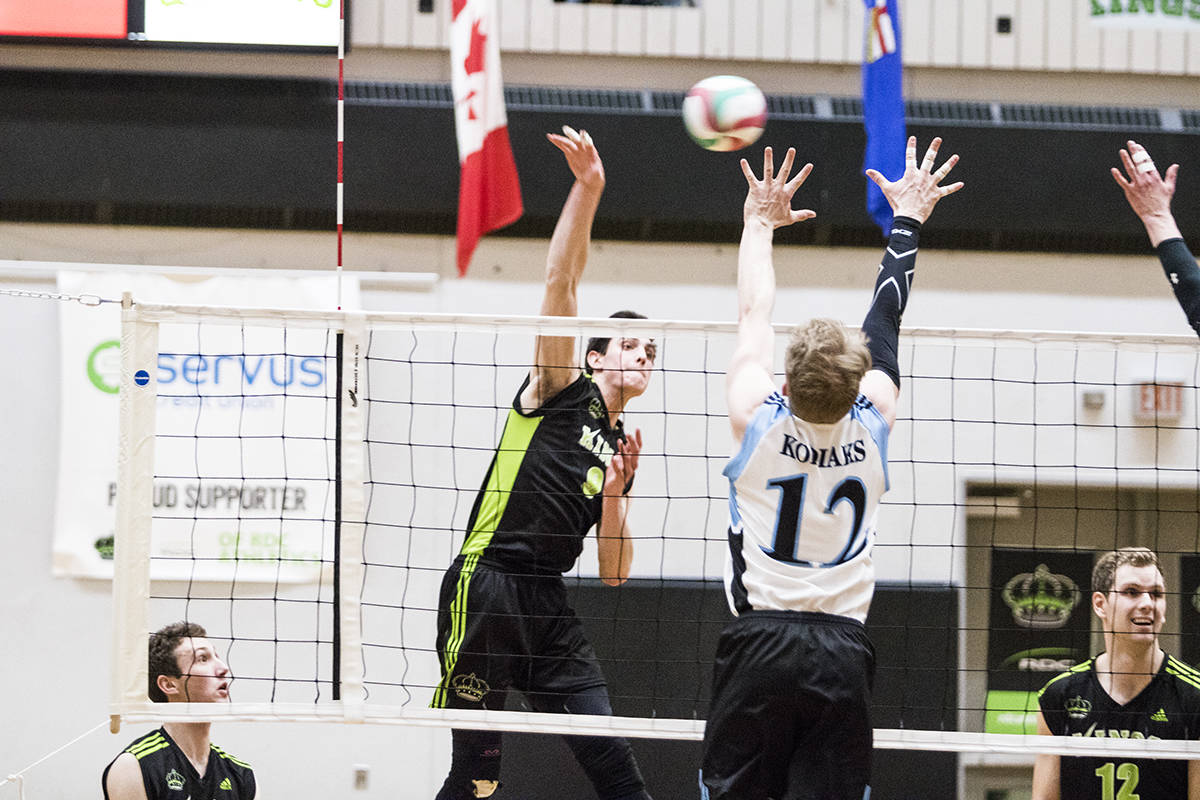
298 483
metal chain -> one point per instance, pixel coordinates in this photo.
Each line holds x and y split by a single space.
82 299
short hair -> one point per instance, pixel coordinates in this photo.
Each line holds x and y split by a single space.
825 363
163 643
1104 574
599 344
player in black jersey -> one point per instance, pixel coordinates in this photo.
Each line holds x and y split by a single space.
1149 196
178 761
563 465
1133 690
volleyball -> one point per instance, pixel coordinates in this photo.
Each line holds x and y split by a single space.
724 112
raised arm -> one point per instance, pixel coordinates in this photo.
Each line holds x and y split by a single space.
768 206
1149 196
912 199
554 360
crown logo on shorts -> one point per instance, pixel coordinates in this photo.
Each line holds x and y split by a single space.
1041 599
174 781
468 687
1078 708
1196 599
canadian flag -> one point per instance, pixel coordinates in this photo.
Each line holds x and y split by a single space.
489 194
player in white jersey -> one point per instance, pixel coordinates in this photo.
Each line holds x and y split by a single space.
793 672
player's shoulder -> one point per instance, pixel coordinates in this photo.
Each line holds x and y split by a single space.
1186 679
229 758
1072 679
148 744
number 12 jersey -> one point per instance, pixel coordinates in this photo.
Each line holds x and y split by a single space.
803 499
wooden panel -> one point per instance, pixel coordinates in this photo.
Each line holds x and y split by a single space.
1172 52
366 25
717 28
1086 54
630 24
745 34
1029 32
917 32
975 25
1002 47
831 36
514 24
1114 50
570 33
1060 35
429 30
601 29
854 17
543 23
1143 50
945 33
396 27
659 31
687 34
774 21
803 29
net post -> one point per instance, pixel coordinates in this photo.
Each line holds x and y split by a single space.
350 516
135 488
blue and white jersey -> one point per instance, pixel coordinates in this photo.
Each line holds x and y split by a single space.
803 499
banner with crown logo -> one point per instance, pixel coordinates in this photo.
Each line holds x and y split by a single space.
1039 624
1189 608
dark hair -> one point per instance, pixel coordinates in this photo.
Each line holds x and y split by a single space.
1104 574
163 661
599 344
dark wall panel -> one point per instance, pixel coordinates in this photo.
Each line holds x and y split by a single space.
178 149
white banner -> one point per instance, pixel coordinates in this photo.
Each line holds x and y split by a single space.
243 458
1154 14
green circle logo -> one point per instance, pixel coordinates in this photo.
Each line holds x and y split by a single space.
594 483
104 366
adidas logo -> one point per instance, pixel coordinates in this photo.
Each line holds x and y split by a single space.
1159 716
226 785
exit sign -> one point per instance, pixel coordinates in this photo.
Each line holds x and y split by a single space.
1162 401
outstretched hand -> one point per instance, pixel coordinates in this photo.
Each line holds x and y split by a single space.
769 201
582 156
917 191
1148 194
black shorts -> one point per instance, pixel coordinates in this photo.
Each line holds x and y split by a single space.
498 630
790 715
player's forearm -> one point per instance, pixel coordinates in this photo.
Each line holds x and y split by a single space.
882 323
1183 273
571 239
1160 227
614 540
756 271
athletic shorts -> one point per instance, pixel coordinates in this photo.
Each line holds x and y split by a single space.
789 717
498 630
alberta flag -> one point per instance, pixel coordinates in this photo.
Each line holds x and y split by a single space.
883 103
489 196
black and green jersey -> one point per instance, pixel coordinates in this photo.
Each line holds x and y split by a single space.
168 775
1075 704
542 493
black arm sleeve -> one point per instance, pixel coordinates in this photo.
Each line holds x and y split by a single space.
1184 275
882 324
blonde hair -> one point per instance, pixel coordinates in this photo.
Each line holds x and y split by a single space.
825 363
1104 574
